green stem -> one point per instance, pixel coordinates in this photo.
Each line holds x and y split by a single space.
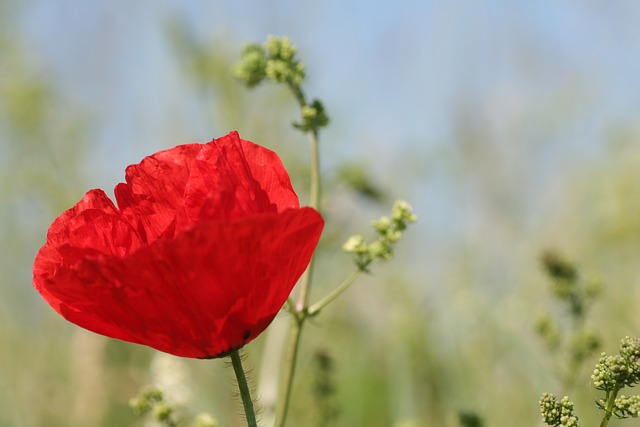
315 308
298 94
288 370
247 403
314 153
314 202
300 312
608 409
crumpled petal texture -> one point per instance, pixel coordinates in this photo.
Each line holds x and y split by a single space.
202 251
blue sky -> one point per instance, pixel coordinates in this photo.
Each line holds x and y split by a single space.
544 82
403 64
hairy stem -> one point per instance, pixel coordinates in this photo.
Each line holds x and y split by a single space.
247 403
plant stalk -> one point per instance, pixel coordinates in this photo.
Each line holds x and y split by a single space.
300 309
314 202
247 403
287 374
608 409
315 308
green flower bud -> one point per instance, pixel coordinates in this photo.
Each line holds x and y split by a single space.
146 400
139 406
252 67
380 249
298 75
625 407
389 231
382 225
278 71
280 47
355 245
402 212
618 370
393 236
556 413
313 117
162 412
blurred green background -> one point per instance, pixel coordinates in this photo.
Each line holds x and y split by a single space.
511 127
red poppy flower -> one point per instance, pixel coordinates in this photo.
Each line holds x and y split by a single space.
203 249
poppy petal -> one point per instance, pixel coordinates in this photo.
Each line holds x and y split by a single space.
203 250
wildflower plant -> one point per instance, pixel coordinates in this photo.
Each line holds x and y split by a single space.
568 335
202 248
276 61
611 374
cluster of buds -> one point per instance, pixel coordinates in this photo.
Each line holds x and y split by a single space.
389 230
567 285
152 401
626 406
276 60
576 342
614 372
557 414
314 116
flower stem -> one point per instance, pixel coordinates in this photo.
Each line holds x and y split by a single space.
315 308
314 202
297 93
299 311
286 378
315 170
608 409
247 403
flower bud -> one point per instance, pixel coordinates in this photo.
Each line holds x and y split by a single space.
162 412
355 245
252 67
402 212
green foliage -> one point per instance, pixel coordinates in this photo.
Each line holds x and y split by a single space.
572 342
